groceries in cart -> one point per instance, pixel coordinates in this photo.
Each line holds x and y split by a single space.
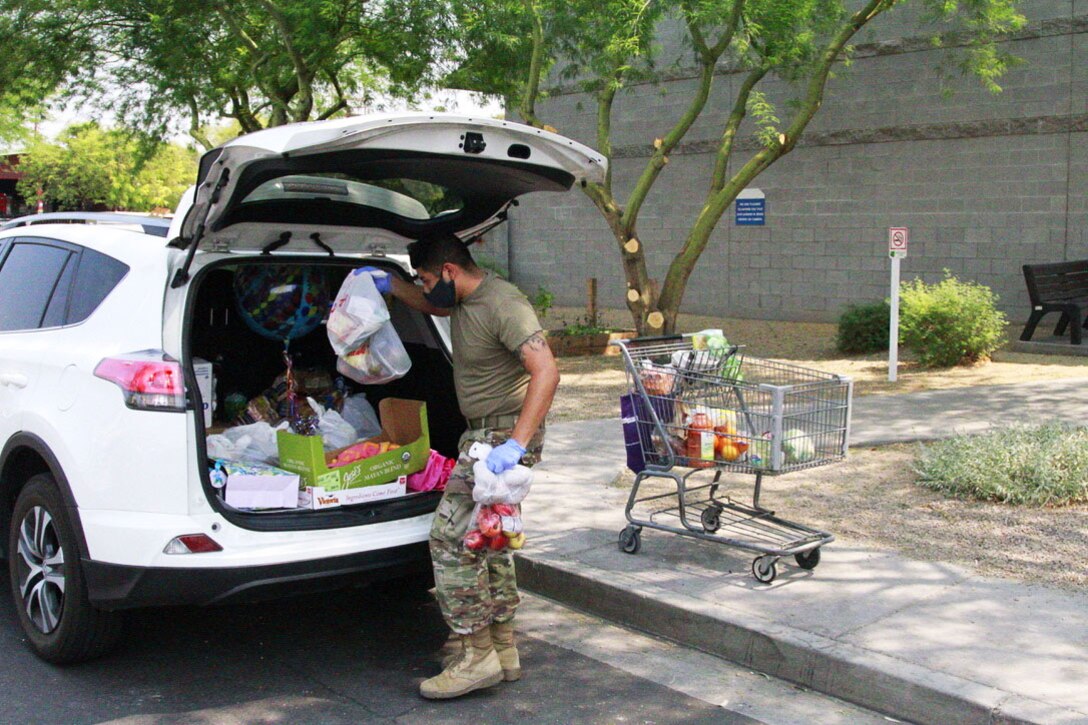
697 407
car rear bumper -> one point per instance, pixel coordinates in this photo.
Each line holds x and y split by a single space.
117 586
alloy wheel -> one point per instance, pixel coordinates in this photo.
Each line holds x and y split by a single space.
40 569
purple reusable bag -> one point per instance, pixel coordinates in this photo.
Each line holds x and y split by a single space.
636 461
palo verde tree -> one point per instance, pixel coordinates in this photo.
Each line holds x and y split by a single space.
604 46
261 63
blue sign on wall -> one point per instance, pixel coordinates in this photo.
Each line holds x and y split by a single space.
751 212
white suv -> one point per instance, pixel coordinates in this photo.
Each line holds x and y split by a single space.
105 497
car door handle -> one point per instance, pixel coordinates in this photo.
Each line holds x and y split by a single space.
14 380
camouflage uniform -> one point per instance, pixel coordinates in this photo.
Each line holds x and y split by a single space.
474 588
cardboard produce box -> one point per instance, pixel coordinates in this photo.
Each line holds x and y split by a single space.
404 422
316 498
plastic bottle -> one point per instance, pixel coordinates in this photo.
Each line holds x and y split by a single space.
700 443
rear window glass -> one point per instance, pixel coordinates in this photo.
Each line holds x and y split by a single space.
27 281
408 198
98 274
58 305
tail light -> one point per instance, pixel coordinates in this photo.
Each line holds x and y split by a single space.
150 379
192 544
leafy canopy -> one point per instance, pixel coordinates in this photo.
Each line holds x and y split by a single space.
89 167
259 62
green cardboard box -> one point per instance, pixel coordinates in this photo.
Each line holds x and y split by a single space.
404 422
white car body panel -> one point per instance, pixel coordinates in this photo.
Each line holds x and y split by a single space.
137 539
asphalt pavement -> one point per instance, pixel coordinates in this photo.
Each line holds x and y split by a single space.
358 656
923 641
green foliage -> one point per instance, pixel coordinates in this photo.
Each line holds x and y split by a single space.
864 328
163 66
89 166
39 52
584 325
951 322
1040 465
542 302
491 265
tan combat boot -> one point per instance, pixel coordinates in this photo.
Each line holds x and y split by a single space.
502 637
453 648
478 668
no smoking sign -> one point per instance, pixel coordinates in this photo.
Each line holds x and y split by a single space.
898 237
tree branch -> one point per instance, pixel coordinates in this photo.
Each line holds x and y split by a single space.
708 65
303 73
740 110
536 64
194 125
682 264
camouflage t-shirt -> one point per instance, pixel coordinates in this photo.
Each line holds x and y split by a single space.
486 330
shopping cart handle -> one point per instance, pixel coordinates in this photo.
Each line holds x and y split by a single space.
659 338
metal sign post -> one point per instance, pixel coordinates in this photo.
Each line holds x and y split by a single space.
897 249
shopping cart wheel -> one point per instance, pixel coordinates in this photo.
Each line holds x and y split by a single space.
630 540
808 559
764 569
711 519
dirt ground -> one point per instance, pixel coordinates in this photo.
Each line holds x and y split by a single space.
873 497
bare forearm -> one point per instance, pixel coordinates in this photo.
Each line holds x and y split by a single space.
412 295
538 400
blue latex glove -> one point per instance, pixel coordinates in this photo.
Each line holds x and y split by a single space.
504 457
382 280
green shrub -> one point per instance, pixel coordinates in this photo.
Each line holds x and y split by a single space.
1038 465
542 302
864 328
951 322
584 325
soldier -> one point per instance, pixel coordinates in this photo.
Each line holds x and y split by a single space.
506 377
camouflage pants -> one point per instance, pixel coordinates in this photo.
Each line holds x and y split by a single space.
474 588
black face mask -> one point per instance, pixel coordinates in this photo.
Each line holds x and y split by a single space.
443 294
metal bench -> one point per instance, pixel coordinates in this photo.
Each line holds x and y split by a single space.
1058 287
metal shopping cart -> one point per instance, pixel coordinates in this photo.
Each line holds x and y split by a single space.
696 403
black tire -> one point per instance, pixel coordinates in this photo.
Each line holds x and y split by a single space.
764 569
808 559
60 623
711 519
630 540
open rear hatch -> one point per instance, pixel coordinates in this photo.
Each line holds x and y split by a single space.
316 186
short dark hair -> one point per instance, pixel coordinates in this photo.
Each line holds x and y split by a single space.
430 253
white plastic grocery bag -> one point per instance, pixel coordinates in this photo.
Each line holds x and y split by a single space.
357 313
379 360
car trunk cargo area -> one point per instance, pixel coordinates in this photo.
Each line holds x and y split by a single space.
244 318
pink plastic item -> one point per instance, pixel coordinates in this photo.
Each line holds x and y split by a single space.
434 476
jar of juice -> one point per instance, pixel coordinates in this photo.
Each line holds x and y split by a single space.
700 442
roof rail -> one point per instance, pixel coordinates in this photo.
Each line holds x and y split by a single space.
156 226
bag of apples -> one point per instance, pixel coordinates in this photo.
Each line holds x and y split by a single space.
495 527
496 520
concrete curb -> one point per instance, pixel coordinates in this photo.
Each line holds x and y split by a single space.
870 679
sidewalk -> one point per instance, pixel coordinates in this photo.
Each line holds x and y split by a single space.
923 641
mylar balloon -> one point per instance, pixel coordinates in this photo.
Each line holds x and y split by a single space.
281 302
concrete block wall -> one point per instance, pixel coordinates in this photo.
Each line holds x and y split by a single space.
985 182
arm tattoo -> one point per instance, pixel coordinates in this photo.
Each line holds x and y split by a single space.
536 342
